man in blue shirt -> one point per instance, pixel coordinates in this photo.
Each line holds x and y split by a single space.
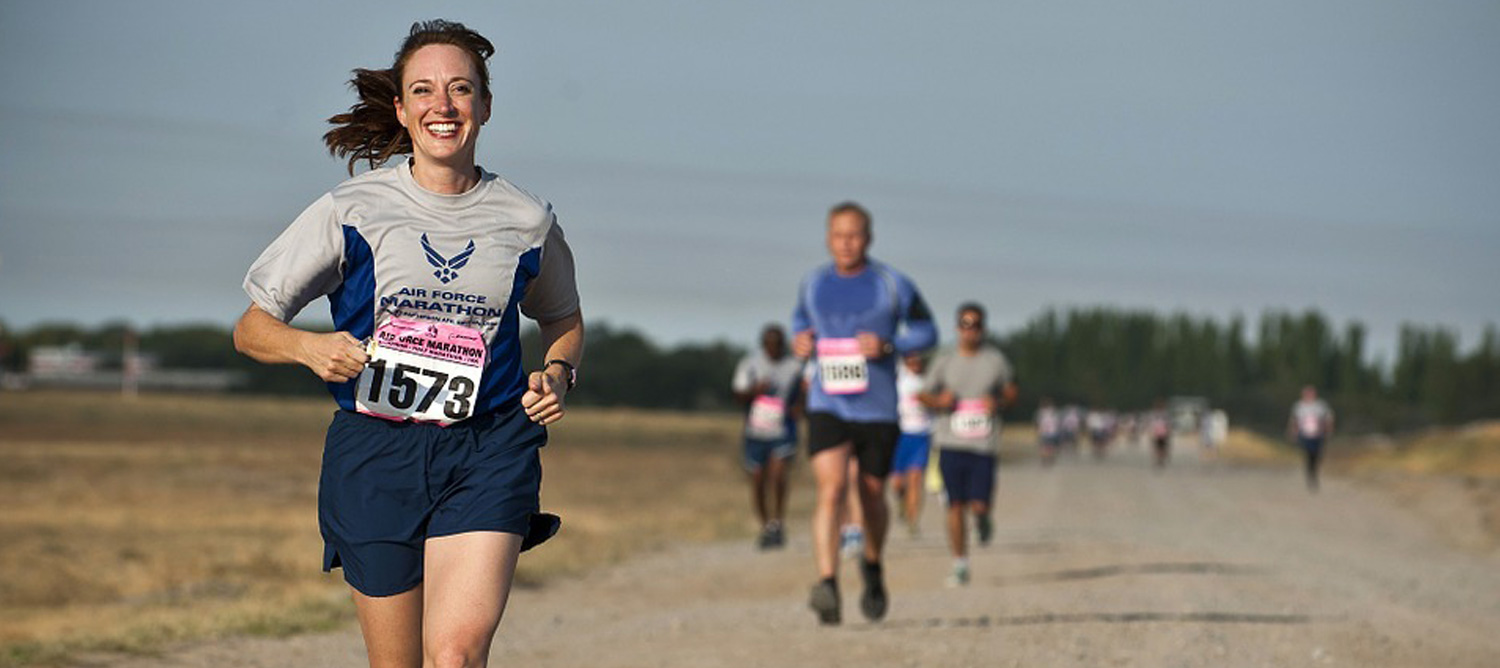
855 318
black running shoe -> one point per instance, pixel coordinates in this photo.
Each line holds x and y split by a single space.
986 526
873 603
771 537
825 601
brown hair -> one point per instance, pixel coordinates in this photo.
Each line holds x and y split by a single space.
370 131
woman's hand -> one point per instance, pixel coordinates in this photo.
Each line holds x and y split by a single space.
543 400
336 357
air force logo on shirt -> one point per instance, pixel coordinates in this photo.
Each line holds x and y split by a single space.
447 268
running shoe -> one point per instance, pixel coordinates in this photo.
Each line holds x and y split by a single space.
960 575
873 603
771 537
852 541
825 601
986 527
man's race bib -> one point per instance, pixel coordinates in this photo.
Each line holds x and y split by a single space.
971 420
767 420
421 371
842 366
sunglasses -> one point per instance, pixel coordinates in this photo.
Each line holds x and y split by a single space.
970 324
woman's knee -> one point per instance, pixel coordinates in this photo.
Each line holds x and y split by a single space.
456 653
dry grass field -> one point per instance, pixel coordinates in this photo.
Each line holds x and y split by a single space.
129 524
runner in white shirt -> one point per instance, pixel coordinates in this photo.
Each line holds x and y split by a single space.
768 384
1310 424
1048 430
916 441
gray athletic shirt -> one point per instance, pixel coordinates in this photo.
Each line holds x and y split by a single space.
379 244
968 377
783 376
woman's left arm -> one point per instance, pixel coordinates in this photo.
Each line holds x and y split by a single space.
547 388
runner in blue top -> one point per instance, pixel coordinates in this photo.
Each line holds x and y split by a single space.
431 469
854 318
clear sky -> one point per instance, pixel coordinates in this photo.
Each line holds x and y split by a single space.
1212 157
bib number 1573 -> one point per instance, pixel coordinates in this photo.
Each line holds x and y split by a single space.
426 372
408 387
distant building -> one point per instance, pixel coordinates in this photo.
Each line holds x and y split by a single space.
61 361
72 366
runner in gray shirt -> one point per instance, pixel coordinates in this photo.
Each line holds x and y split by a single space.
967 388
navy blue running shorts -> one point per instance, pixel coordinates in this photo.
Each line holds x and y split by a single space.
874 442
967 476
386 487
759 452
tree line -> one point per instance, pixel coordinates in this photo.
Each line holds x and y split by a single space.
1128 359
1123 359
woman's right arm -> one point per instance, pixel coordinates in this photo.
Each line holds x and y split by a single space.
336 357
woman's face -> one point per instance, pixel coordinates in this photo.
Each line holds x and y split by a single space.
440 104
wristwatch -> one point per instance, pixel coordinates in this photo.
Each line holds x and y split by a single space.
572 376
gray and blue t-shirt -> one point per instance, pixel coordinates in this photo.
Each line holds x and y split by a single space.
379 245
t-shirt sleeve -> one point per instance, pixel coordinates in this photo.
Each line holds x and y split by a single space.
920 332
742 377
932 382
553 295
1007 372
302 264
801 321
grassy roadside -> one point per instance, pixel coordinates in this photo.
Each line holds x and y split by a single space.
131 524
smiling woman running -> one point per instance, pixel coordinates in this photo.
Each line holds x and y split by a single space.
431 471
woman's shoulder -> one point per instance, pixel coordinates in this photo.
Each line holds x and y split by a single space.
364 183
502 187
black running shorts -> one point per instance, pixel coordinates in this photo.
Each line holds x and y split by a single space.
874 442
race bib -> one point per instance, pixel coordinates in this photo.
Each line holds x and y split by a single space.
914 418
767 420
842 366
421 371
971 420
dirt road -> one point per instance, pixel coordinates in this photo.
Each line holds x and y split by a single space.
1094 564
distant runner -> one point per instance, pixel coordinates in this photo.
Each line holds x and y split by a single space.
768 383
967 388
1159 425
849 318
1072 422
1310 424
915 444
1100 424
1048 430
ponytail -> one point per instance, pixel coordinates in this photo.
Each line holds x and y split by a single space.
369 131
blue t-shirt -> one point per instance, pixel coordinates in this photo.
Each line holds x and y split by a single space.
878 300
